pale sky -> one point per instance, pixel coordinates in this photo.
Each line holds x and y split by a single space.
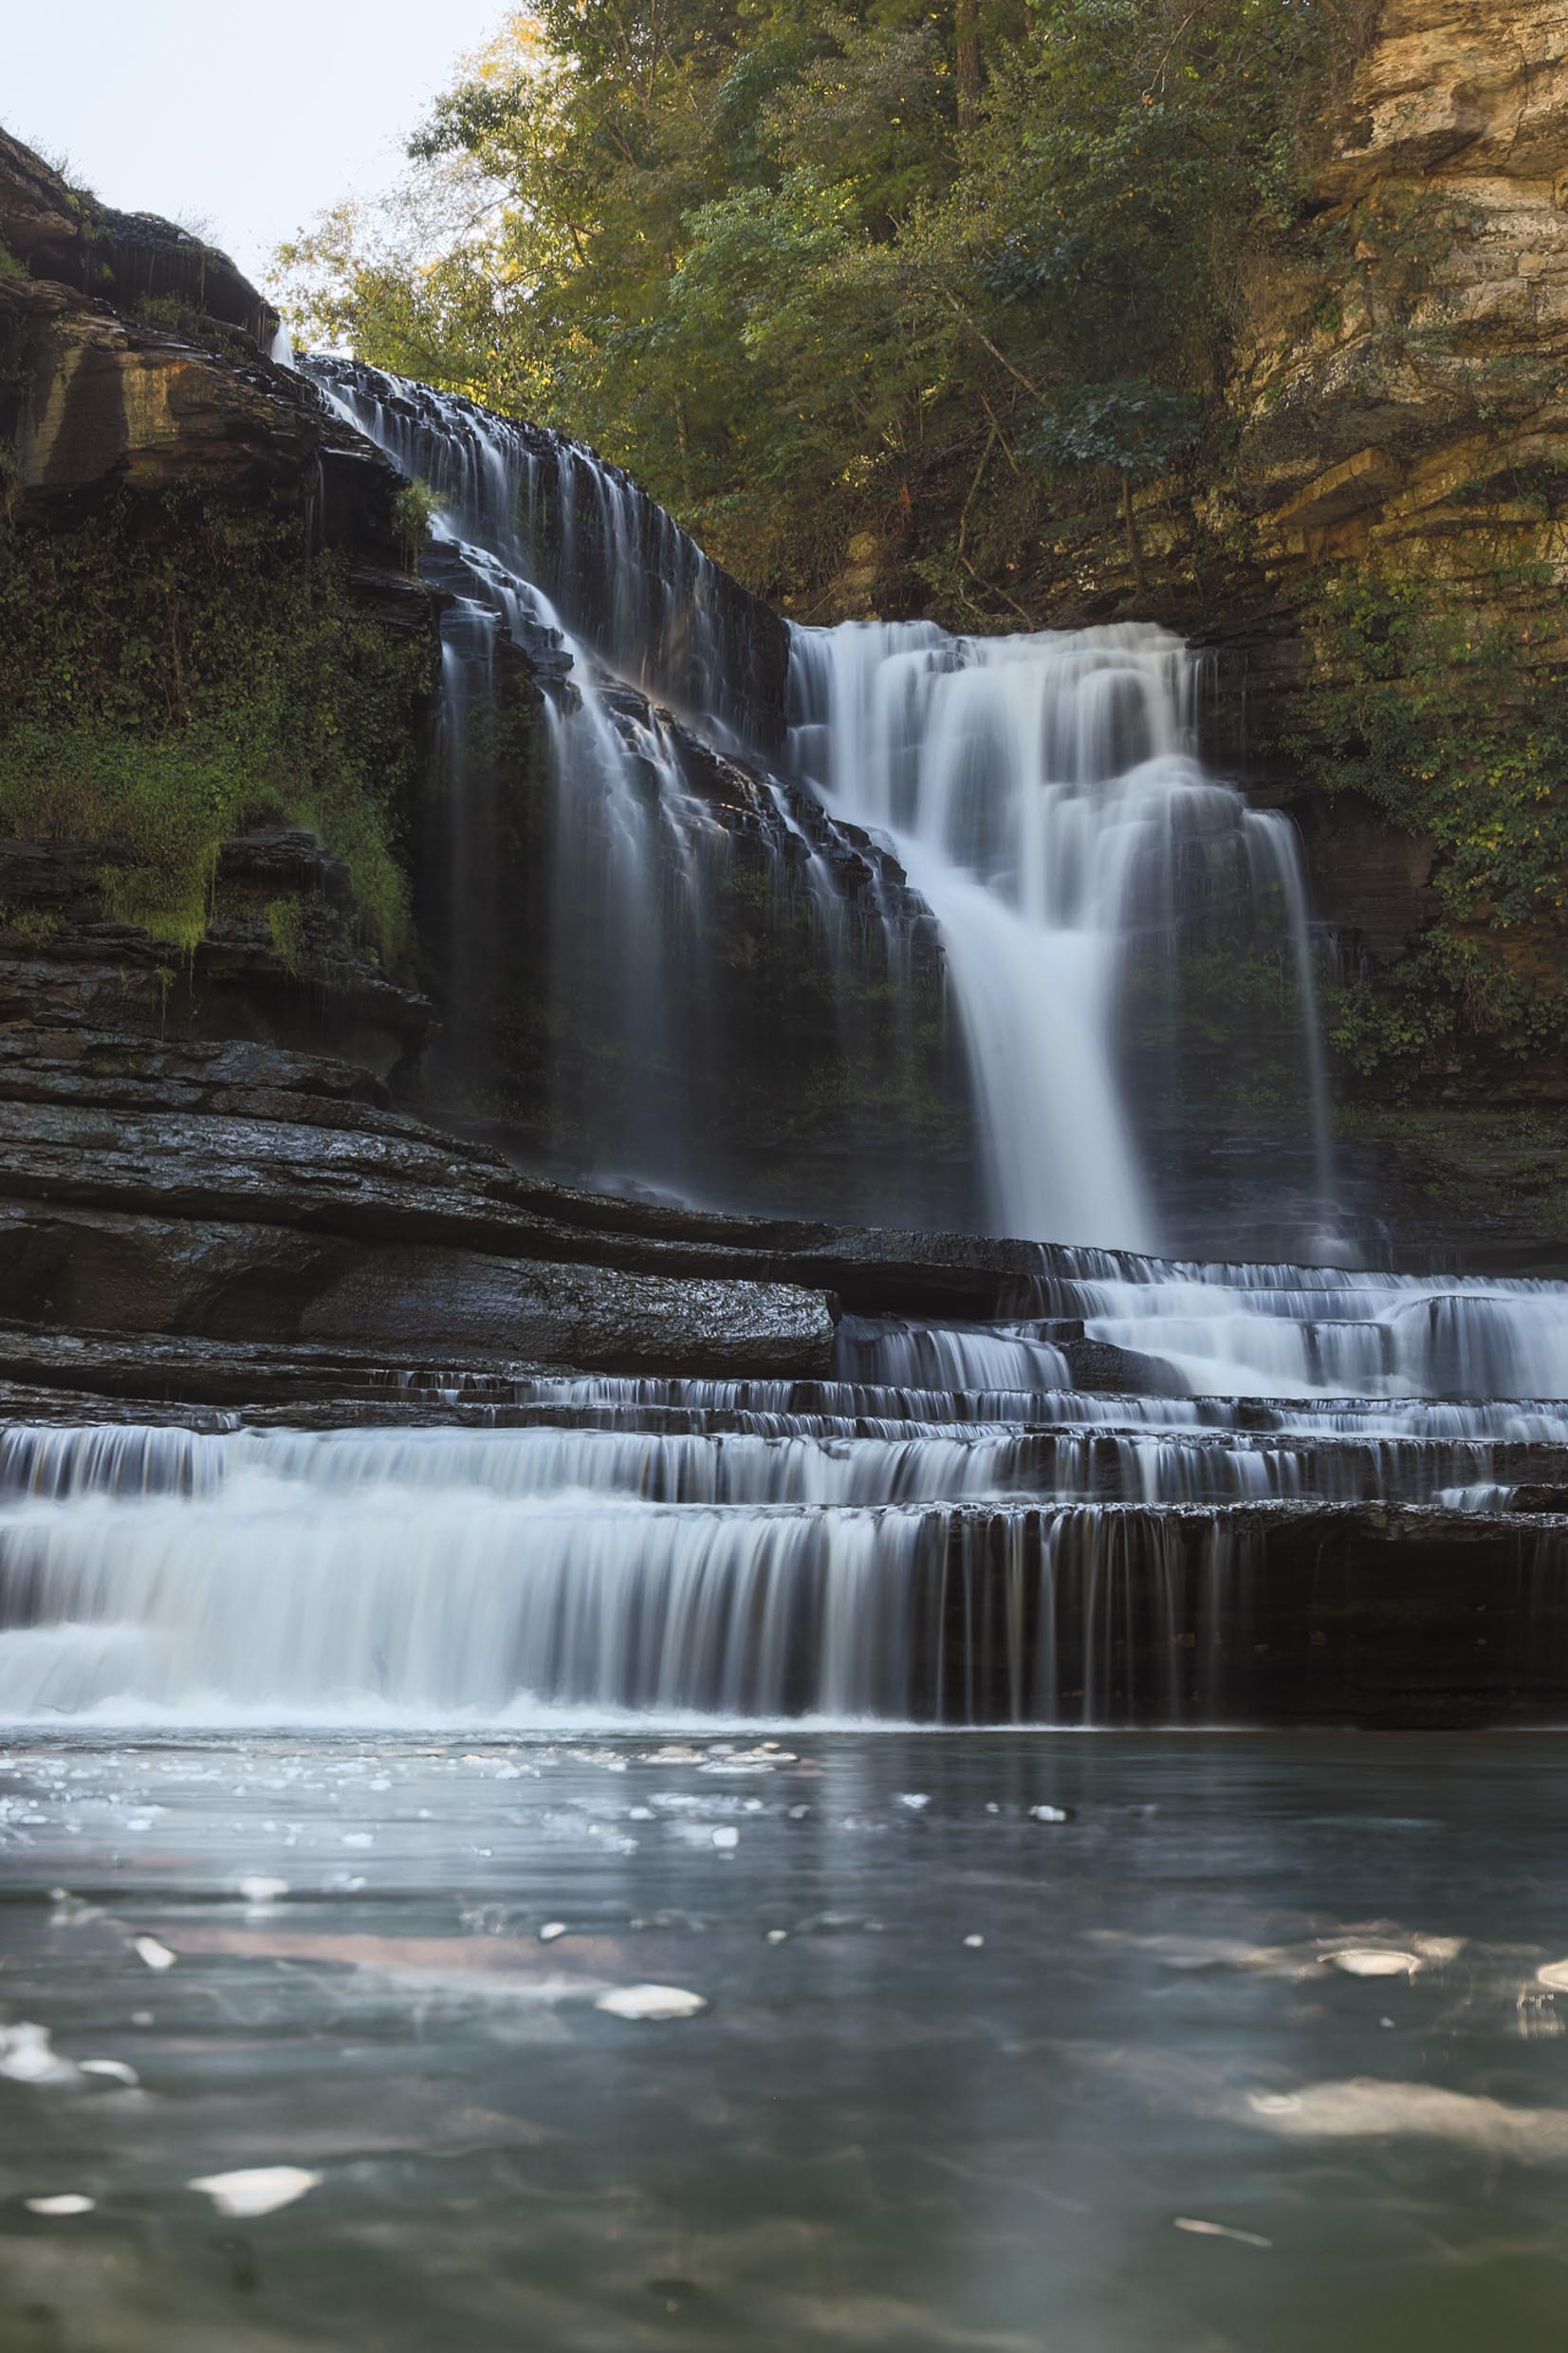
244 121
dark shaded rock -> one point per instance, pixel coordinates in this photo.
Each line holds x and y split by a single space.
1101 1366
116 1271
63 968
1552 1501
1355 1615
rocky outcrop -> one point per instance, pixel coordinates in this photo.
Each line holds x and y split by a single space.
63 236
1400 392
281 963
1394 388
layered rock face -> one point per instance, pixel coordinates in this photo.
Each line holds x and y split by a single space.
1413 408
1395 380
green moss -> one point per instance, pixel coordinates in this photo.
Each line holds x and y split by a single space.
284 920
168 672
28 923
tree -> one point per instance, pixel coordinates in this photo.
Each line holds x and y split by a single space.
805 270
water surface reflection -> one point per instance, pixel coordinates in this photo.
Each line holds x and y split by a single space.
965 2076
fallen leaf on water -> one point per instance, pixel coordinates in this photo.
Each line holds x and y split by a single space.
1374 1961
258 2190
1220 2229
115 2068
650 2001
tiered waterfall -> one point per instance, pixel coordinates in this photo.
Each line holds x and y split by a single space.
1143 1491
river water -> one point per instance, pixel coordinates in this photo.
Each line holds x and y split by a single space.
966 2076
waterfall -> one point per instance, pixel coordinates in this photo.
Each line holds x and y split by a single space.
712 956
1043 795
1017 828
945 1531
1133 1494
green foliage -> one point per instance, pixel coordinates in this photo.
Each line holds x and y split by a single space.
1133 429
9 266
284 921
29 924
165 310
1444 724
412 512
1450 986
167 675
803 268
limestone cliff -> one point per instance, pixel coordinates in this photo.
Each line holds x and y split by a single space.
1397 392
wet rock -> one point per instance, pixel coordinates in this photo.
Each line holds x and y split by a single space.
1100 1365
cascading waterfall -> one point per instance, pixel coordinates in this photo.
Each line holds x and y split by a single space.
948 1531
1083 1512
1043 795
673 858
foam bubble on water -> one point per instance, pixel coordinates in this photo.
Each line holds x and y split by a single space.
257 1889
156 1956
69 2202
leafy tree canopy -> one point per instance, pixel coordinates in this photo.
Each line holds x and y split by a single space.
916 266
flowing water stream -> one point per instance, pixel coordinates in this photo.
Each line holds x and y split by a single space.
948 1531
